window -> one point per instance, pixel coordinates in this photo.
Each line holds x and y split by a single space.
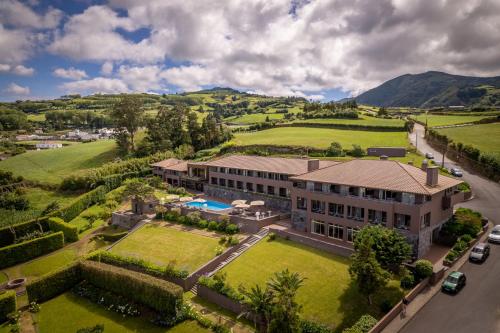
377 216
222 182
270 190
318 227
335 188
425 220
212 169
239 172
249 173
299 185
250 187
354 191
318 206
351 234
318 187
336 231
260 188
214 180
270 175
232 171
222 170
402 221
239 185
335 209
283 177
355 213
230 183
261 174
301 203
283 192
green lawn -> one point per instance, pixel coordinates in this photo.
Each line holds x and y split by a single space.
327 296
38 117
362 120
3 278
67 313
51 166
49 263
254 118
321 137
163 245
485 137
442 120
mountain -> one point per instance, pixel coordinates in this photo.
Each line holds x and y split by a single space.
434 89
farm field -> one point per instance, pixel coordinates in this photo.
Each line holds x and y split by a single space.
321 137
362 120
327 295
51 166
442 120
485 137
79 313
164 245
254 118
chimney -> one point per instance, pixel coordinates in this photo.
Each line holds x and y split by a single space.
312 165
384 157
432 175
425 164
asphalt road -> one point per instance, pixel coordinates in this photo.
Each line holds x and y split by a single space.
476 309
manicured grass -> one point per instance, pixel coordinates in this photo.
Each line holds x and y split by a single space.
49 263
441 120
3 278
327 296
38 117
322 137
362 120
51 166
164 245
68 313
484 137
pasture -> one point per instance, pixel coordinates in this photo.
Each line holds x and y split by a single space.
485 137
443 120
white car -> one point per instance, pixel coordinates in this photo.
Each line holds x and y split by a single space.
494 236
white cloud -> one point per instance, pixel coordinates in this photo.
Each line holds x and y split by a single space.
17 14
15 45
22 70
5 68
95 85
107 68
70 73
141 79
17 90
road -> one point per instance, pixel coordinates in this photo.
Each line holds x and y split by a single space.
477 307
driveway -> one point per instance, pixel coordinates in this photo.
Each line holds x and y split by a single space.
486 192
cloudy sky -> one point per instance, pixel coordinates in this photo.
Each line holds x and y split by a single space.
320 49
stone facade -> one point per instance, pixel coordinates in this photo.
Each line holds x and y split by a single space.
282 204
299 220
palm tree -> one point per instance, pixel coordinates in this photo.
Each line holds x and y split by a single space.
258 302
285 283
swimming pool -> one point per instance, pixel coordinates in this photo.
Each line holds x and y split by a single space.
209 204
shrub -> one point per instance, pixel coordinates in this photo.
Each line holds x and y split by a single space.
363 325
232 229
460 246
70 231
466 238
99 328
17 253
335 149
357 151
212 225
202 224
223 223
272 236
54 283
218 283
312 327
232 241
157 294
194 217
423 269
407 281
7 304
469 222
452 255
81 203
113 237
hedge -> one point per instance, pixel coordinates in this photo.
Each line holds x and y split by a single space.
363 325
7 234
113 237
358 127
54 283
82 202
18 253
7 304
160 295
70 231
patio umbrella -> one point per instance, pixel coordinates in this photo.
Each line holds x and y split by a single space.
238 202
257 203
186 199
172 197
200 200
242 206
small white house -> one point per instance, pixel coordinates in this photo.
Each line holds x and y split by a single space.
48 145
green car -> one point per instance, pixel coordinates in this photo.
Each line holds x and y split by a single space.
454 282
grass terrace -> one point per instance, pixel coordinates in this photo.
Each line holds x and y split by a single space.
362 120
164 245
322 137
254 118
327 296
80 312
442 120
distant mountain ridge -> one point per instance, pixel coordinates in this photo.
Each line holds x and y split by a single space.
434 89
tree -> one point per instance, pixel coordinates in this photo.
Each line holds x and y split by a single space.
365 269
128 116
382 112
138 190
335 149
259 302
194 130
357 151
390 247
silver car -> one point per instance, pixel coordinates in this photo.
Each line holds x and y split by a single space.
494 236
479 252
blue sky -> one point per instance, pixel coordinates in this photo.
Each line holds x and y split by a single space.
318 49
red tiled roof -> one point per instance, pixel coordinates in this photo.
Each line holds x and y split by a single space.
380 174
290 166
182 166
167 163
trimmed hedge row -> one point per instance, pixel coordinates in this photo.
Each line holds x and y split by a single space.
137 265
54 283
358 127
8 304
8 234
113 237
17 253
157 294
70 231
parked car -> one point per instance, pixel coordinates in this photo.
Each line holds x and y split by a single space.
429 156
454 282
479 252
494 236
456 172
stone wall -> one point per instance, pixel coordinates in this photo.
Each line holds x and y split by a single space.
219 299
299 220
126 219
282 204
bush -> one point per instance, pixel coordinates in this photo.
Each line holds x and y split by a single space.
232 229
7 304
99 328
363 325
70 231
407 281
423 269
160 295
212 225
113 237
386 305
202 224
18 253
218 283
466 238
232 241
312 327
357 151
54 283
460 246
452 255
194 217
335 149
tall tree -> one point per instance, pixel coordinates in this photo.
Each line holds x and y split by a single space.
128 116
194 130
259 302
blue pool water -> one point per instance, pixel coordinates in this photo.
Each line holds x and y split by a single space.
210 204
